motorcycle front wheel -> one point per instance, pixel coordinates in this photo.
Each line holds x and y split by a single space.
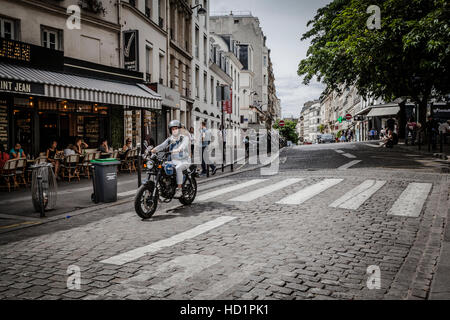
144 203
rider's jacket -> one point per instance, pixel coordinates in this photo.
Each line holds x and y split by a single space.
179 146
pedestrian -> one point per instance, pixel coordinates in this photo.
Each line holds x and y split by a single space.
17 152
411 130
432 129
79 146
206 141
444 129
3 156
104 148
192 139
52 151
388 140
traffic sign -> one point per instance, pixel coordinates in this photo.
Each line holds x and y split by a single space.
349 117
282 123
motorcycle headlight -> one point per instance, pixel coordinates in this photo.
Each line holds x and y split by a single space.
150 165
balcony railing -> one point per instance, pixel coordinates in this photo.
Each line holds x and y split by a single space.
188 92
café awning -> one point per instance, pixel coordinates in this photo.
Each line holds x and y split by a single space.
72 87
384 112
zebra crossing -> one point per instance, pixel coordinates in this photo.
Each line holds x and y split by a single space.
409 204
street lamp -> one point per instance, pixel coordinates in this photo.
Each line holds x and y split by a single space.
201 11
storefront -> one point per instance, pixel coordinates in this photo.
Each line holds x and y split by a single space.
40 105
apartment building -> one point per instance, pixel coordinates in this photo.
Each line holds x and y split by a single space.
225 65
84 81
247 30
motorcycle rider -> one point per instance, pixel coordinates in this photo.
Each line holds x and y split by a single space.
179 145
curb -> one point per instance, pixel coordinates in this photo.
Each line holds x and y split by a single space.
26 225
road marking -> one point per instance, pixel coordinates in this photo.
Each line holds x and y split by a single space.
310 192
15 217
62 192
192 264
127 194
135 254
214 184
265 191
412 200
20 224
221 192
350 156
233 279
339 151
349 165
373 145
356 197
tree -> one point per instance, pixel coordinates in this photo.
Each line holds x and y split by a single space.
409 56
289 131
322 128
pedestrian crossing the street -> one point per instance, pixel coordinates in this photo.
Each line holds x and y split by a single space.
409 204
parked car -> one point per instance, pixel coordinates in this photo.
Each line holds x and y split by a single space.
326 138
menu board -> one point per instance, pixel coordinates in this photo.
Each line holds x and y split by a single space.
92 131
3 123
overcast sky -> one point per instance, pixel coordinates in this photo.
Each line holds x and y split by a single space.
283 22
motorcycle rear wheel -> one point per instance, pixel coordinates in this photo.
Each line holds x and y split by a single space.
191 189
145 204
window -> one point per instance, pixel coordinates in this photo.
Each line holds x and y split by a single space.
148 8
51 38
161 68
149 63
197 41
7 29
265 61
236 21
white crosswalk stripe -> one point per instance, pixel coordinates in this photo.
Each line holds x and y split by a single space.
310 192
220 192
357 196
349 165
412 200
266 190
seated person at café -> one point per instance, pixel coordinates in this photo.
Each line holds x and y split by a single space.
104 148
126 148
70 150
79 146
51 154
3 156
17 152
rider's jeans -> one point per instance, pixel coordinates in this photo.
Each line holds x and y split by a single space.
180 166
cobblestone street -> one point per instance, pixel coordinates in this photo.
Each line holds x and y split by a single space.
300 234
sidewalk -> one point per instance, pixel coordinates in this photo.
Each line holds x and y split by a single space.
424 150
16 208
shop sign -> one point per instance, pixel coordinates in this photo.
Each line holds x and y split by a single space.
441 112
18 52
130 50
171 98
21 87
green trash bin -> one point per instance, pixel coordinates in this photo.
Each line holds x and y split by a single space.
104 180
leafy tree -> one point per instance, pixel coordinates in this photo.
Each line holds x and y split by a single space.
408 57
322 128
289 131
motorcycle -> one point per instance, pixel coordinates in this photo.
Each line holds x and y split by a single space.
161 184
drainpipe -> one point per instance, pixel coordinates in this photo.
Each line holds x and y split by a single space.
119 21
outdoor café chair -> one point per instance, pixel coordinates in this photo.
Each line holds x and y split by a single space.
20 171
8 173
86 165
72 167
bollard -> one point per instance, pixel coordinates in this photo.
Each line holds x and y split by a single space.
139 167
441 138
